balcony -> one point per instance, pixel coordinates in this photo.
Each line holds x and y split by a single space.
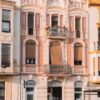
73 5
58 69
57 32
52 3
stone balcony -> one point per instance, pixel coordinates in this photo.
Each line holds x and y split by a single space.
58 70
57 32
73 5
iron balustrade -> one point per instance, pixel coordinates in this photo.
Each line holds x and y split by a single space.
57 31
58 69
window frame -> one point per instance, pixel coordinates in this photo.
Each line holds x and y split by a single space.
6 63
77 62
30 29
30 60
7 21
78 29
2 88
31 86
77 90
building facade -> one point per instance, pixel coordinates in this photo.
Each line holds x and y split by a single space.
44 49
93 89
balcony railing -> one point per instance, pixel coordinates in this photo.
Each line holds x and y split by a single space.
58 69
57 31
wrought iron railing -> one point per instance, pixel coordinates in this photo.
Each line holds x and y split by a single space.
58 69
57 31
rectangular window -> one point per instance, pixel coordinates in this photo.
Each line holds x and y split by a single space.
5 55
78 54
77 27
98 65
2 91
54 21
30 23
29 93
6 16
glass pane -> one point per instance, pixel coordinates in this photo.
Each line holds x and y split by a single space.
5 26
29 97
6 14
1 98
77 24
29 89
78 96
30 20
1 92
5 55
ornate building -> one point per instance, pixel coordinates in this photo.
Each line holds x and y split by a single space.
47 47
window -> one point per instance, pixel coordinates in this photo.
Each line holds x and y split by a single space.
6 16
2 91
77 27
30 52
30 23
55 53
30 84
54 21
78 90
78 54
5 55
99 38
98 65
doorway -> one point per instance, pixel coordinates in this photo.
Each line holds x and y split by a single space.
54 91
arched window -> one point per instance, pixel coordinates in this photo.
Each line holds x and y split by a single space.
55 53
78 54
78 90
30 52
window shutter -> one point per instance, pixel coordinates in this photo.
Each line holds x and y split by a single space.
84 24
23 22
72 23
78 52
30 49
48 19
55 54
